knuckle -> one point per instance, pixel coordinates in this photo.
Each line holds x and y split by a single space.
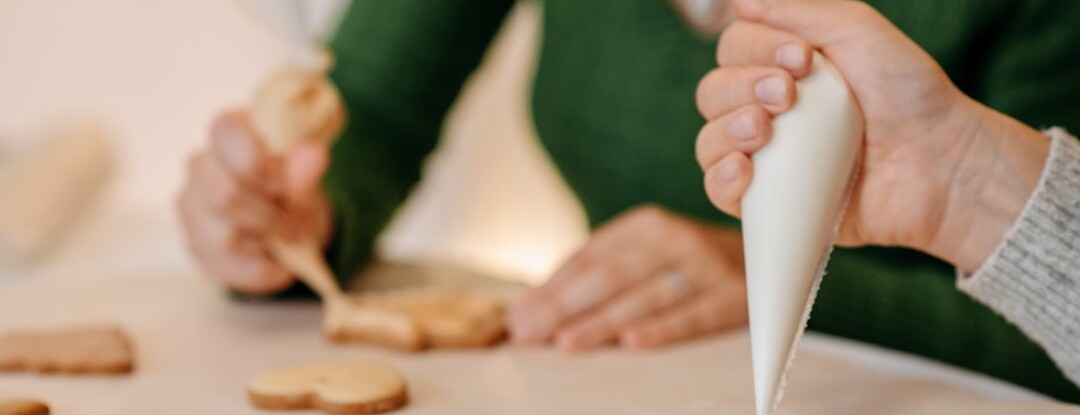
598 272
183 205
759 115
231 196
770 71
593 265
265 271
858 10
705 147
650 215
221 132
685 238
714 191
225 123
195 162
226 240
705 89
728 39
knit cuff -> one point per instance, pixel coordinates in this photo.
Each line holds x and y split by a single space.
1033 276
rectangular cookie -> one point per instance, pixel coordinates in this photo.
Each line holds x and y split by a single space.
101 350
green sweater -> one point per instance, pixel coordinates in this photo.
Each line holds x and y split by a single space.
613 102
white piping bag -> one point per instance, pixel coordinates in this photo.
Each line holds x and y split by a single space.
295 104
790 215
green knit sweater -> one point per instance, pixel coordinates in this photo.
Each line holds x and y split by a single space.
613 102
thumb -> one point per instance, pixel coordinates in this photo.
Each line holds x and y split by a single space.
305 166
822 22
750 9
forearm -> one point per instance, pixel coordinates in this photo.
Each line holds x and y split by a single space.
993 179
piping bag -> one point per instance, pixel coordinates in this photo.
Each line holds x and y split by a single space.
790 216
295 104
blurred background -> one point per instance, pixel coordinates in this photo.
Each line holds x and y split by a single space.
124 91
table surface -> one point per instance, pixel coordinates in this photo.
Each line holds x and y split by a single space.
197 349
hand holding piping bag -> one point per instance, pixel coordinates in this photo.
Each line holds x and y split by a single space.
928 151
940 172
922 141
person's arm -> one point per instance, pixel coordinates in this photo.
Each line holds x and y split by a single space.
1033 277
399 65
912 194
1030 75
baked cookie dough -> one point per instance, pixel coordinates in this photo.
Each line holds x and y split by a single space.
417 319
103 350
22 407
345 388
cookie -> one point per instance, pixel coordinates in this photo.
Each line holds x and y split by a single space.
415 320
103 350
348 388
347 321
22 407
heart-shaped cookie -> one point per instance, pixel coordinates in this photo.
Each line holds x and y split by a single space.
344 388
80 350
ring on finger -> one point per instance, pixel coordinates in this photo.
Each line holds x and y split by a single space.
679 283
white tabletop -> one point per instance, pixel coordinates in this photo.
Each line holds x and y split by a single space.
197 349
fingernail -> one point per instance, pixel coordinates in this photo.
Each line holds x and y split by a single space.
743 127
729 170
791 57
771 90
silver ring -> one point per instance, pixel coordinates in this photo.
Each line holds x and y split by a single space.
679 283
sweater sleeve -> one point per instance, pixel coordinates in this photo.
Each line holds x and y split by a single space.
1033 277
399 65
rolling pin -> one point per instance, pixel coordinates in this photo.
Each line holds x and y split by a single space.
47 187
790 216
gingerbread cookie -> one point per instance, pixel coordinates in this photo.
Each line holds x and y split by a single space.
415 320
350 388
22 407
102 350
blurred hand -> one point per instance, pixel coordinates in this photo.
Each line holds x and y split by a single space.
940 172
238 196
646 279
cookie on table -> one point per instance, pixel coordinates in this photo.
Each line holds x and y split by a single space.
22 407
417 319
85 350
344 388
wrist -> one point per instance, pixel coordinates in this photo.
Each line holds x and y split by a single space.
990 186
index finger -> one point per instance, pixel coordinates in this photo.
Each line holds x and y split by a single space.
753 44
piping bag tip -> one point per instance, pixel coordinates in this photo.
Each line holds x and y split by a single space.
791 215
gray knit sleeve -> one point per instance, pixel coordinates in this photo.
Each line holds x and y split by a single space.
1033 277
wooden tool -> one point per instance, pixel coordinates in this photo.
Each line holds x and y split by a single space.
293 105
